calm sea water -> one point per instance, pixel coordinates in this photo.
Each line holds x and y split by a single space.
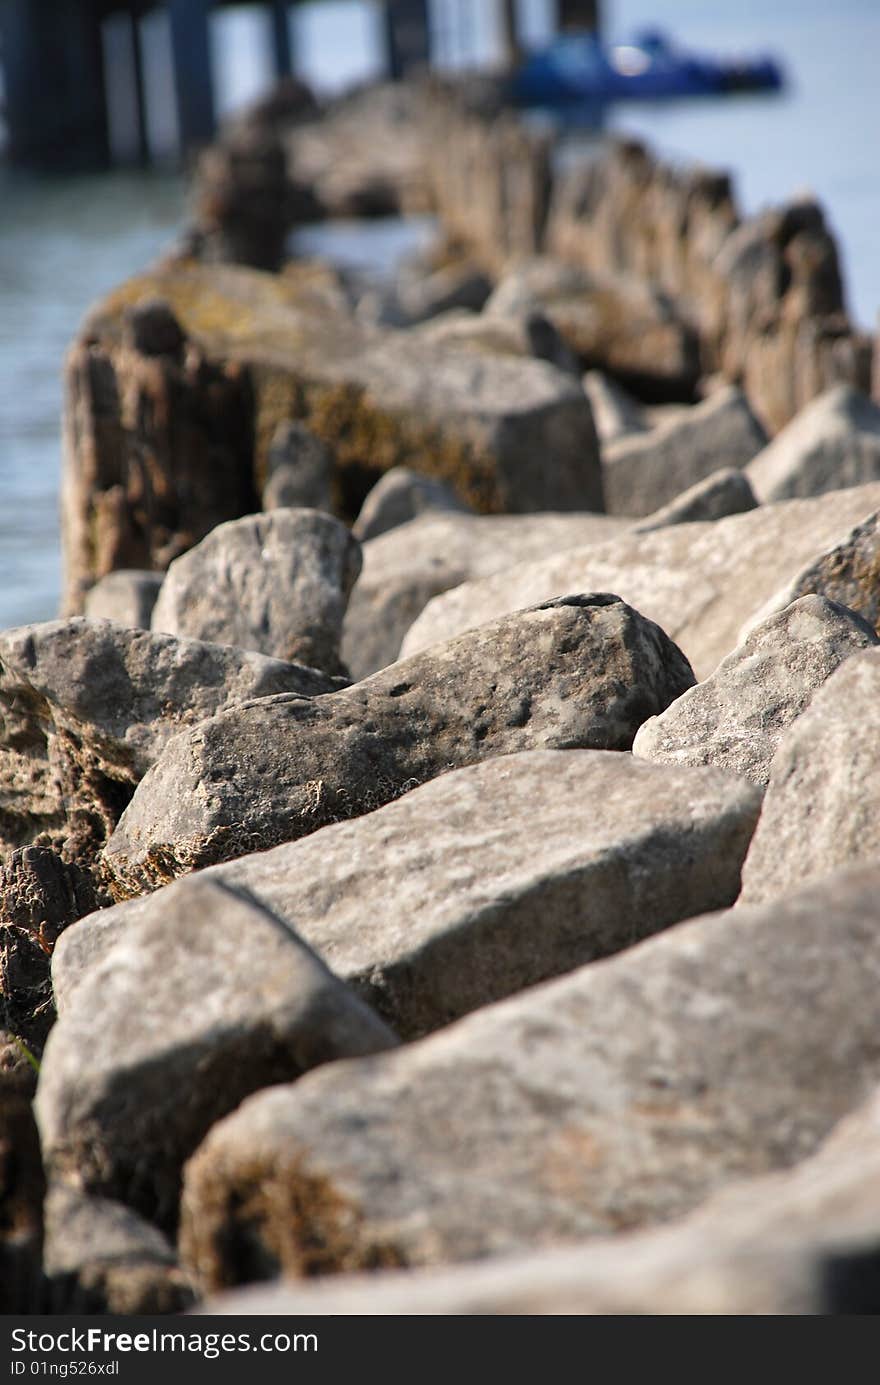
63 243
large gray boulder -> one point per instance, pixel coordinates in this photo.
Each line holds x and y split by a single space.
834 442
700 582
86 706
615 1098
484 881
200 1004
277 583
771 1245
127 597
406 567
822 808
736 717
643 472
578 672
724 492
402 495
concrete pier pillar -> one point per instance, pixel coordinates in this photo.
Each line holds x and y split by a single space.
281 45
193 77
137 55
510 42
53 68
579 14
408 30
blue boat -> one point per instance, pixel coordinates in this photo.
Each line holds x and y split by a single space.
578 67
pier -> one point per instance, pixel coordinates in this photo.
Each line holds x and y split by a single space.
55 69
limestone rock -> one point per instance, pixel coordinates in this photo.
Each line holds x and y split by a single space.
126 597
616 414
736 717
832 443
644 472
616 1098
725 492
147 438
40 895
277 583
700 583
200 1005
528 333
400 496
486 880
771 1245
821 809
578 672
85 708
612 322
103 1258
300 471
404 568
848 573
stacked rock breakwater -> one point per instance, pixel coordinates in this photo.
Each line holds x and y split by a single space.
439 847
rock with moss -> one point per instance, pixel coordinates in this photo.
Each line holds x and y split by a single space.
581 671
85 708
800 1241
160 449
619 1097
700 582
439 903
236 1002
276 583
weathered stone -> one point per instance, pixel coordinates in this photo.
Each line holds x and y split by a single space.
486 880
300 471
771 1245
643 472
579 672
615 413
277 583
236 1001
700 583
85 708
103 1258
821 809
39 896
848 573
612 322
507 434
406 567
157 445
126 597
725 492
832 443
528 333
736 718
400 496
22 1189
615 1098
